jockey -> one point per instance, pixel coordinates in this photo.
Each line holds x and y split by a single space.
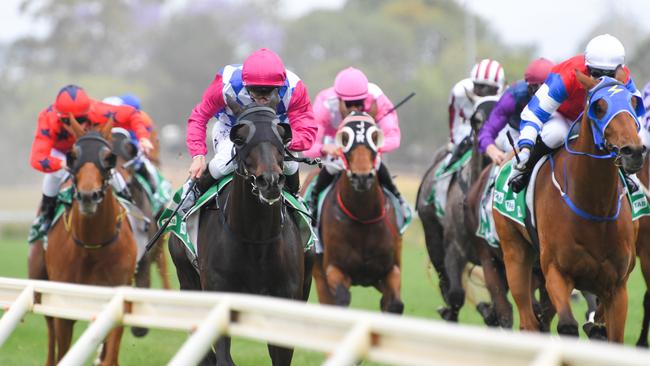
261 74
52 141
505 117
561 100
645 121
351 92
486 78
129 105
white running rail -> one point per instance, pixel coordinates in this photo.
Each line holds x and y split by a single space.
347 336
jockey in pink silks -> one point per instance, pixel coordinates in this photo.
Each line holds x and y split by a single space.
351 92
255 81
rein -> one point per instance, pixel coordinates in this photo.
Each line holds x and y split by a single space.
353 217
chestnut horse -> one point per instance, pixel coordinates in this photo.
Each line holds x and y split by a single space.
92 243
247 239
584 223
360 238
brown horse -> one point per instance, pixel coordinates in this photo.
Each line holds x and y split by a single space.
643 251
586 234
92 243
362 244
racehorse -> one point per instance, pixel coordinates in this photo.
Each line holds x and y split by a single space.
247 240
583 222
127 154
448 241
359 233
643 252
91 243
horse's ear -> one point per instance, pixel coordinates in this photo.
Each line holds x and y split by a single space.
274 100
105 129
108 159
239 134
587 81
284 129
234 106
71 157
75 128
620 75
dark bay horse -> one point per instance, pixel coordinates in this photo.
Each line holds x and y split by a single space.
359 233
584 224
448 241
127 153
248 241
643 252
91 244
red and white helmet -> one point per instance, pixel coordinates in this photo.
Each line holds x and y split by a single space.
489 72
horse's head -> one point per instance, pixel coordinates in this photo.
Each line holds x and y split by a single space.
90 163
260 139
482 108
360 139
612 113
125 150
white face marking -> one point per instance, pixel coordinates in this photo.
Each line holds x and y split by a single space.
360 133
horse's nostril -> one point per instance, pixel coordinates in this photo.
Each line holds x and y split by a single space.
626 150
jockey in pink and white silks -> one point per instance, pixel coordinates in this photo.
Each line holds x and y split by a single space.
486 78
352 92
560 101
255 81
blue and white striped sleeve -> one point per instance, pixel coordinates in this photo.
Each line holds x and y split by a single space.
538 111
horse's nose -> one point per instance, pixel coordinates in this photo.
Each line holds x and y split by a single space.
632 157
89 196
635 152
267 180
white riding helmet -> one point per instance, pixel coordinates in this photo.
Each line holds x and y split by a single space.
490 72
117 101
604 52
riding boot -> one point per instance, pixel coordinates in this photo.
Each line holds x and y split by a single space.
520 179
459 150
48 208
144 173
323 180
292 183
631 184
386 181
202 185
126 194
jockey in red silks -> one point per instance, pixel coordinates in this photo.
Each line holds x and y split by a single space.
561 100
351 92
261 74
52 141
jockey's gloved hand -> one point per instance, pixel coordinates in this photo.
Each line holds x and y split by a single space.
524 155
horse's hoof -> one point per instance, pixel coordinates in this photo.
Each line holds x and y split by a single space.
488 314
595 331
642 343
396 307
342 296
568 329
139 332
447 314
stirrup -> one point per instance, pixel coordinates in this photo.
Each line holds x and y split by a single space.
519 181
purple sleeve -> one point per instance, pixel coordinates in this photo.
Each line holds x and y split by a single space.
498 119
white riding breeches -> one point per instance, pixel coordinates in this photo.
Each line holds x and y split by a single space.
222 164
501 141
554 131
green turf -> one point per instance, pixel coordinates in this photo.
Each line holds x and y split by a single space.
27 346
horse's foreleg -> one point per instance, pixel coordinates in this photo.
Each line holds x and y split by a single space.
51 344
615 314
280 356
143 280
112 347
188 278
222 353
318 272
518 257
36 262
547 310
455 262
559 290
309 259
339 285
643 251
63 329
496 286
390 288
161 262
643 337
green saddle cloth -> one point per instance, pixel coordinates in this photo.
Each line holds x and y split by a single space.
442 178
161 196
179 227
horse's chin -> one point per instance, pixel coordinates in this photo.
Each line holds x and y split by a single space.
270 201
632 165
88 209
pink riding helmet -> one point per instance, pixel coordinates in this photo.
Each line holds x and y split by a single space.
351 84
537 71
264 68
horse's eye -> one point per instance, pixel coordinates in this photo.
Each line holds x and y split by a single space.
598 109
